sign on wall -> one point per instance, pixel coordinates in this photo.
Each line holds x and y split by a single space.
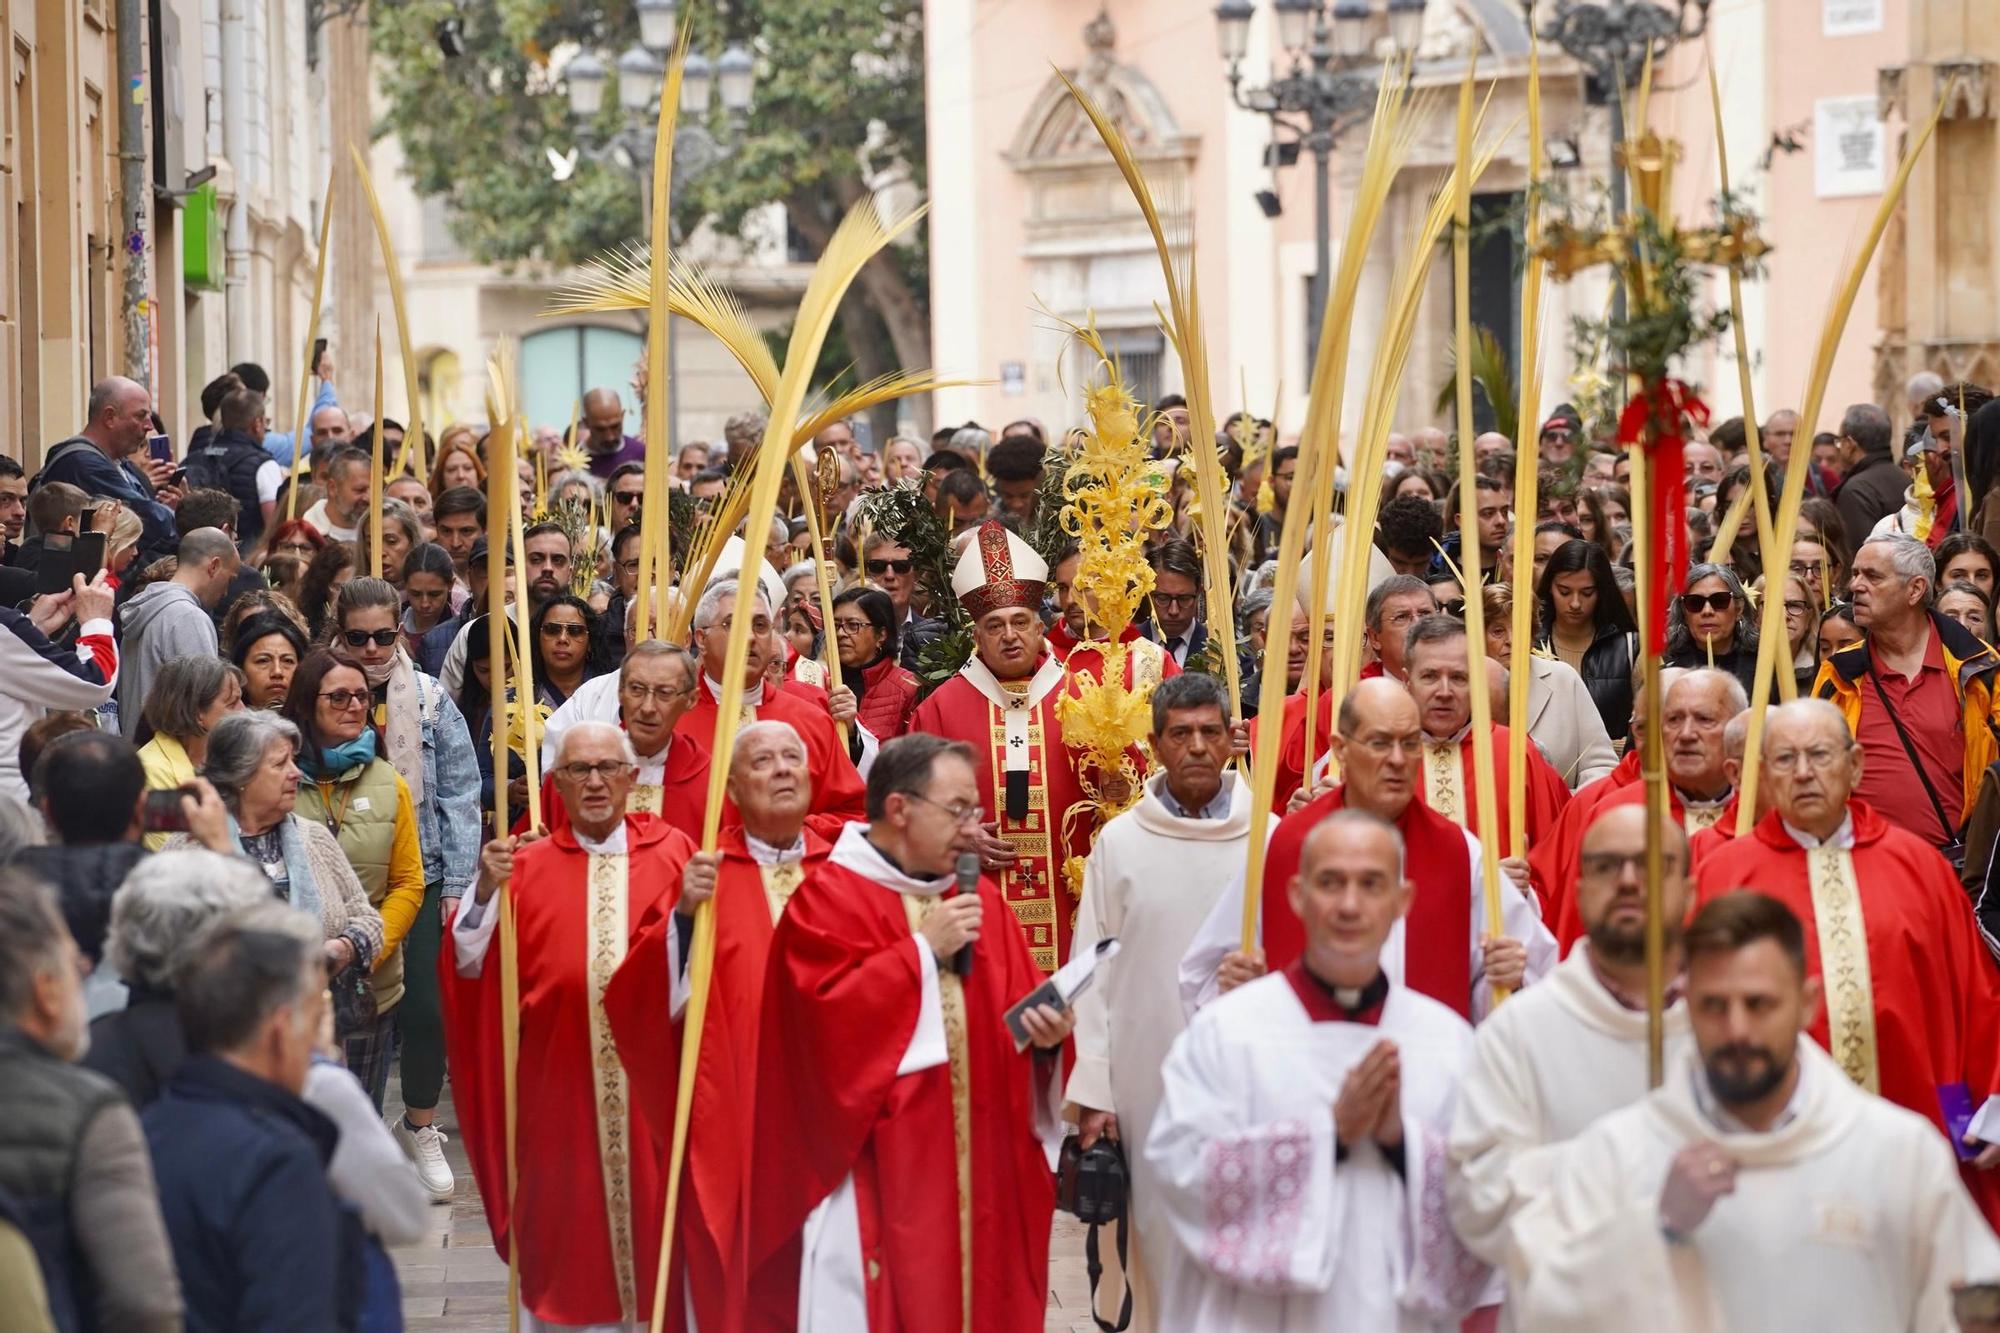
1847 147
1847 18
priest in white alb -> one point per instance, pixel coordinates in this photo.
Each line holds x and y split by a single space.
1300 1141
1558 1055
1757 1187
1152 876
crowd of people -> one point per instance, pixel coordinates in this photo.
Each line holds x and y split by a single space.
257 855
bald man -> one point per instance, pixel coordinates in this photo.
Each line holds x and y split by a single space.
107 459
605 440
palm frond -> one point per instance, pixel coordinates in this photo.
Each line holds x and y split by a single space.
1494 379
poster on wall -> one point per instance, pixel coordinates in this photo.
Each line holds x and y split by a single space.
1847 18
1847 147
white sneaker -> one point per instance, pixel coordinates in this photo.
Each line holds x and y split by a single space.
425 1146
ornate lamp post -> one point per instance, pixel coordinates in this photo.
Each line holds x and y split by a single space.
1611 40
1328 86
641 76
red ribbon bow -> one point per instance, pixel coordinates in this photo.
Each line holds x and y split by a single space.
1654 421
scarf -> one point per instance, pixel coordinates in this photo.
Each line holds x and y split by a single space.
323 763
304 892
403 725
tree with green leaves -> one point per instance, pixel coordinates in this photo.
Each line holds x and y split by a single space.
838 106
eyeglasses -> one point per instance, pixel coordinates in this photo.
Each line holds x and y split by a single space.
1383 746
1607 865
1793 608
297 548
851 626
884 566
639 693
960 814
556 629
628 497
583 773
342 700
1455 608
1817 758
1691 602
1175 599
361 638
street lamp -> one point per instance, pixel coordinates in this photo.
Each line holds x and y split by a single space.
1611 40
642 75
1329 87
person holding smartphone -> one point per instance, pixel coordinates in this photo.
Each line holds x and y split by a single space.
38 674
108 459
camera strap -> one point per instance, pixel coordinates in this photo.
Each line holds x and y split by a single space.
1951 834
1095 1268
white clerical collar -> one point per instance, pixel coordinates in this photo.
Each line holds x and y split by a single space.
856 853
1454 740
659 760
765 854
1720 1116
611 846
1841 838
752 697
1704 802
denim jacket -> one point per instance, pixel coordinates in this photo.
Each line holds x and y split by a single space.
448 819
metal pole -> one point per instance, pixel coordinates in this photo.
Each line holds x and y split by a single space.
1322 150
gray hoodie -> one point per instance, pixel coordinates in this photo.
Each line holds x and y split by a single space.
164 621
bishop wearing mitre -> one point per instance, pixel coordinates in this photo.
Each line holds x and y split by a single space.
1299 1143
582 1219
1911 1007
1003 704
904 1133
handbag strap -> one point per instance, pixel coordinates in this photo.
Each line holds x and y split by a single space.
1095 1268
1910 749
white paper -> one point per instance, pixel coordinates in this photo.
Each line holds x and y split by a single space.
1847 147
1074 977
1985 1122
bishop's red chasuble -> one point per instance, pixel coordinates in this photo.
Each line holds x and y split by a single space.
1437 952
1911 1003
749 898
589 1195
950 1185
1292 744
1556 861
678 797
838 794
1027 782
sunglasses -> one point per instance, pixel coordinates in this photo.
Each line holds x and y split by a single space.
556 630
884 566
361 638
628 497
1455 608
1692 602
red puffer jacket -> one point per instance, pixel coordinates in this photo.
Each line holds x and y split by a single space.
888 697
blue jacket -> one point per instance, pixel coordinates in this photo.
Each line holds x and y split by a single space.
284 446
241 1168
86 466
448 819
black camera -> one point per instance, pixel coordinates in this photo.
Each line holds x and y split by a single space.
1090 1182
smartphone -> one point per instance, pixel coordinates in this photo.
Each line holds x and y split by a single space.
161 448
162 811
52 575
179 477
87 554
319 352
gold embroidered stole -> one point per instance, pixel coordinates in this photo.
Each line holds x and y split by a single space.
951 1000
606 938
1029 885
1698 815
645 798
780 882
1843 964
1444 780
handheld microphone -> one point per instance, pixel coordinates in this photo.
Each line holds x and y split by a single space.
968 882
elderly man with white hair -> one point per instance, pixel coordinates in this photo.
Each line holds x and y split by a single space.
756 868
586 1206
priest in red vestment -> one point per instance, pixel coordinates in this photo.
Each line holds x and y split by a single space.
904 1140
1291 724
1696 706
1442 947
1002 703
836 786
1911 1003
1735 741
756 868
584 1222
656 686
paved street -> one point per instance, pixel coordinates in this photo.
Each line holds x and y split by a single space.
452 1279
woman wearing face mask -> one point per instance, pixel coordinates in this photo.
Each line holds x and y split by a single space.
424 738
360 799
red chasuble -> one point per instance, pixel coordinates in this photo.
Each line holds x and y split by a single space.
1919 1005
1557 860
1437 949
639 1001
1035 886
841 1002
1452 792
679 799
589 1195
1292 743
838 794
1714 838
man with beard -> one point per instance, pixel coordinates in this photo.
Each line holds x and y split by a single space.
1912 996
1441 947
1560 1055
1696 706
1757 1187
